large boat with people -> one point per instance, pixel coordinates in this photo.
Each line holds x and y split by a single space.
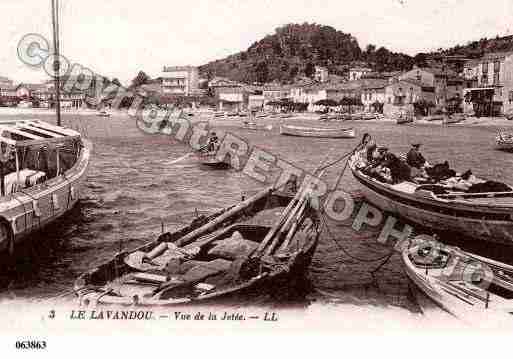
42 168
436 196
263 244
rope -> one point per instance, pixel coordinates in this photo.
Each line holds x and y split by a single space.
363 260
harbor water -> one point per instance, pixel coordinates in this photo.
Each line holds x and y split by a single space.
138 184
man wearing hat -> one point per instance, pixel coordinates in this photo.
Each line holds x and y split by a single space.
416 160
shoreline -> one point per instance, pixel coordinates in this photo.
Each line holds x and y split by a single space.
230 121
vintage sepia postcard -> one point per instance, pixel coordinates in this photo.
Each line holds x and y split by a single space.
207 167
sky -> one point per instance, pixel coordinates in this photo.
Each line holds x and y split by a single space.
118 38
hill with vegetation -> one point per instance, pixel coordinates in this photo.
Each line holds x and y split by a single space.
295 49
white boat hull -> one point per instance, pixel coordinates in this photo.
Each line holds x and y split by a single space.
317 132
23 213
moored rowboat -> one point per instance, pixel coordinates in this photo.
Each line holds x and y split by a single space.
504 141
469 287
290 130
232 252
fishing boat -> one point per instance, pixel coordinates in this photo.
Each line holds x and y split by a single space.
103 113
504 141
300 131
464 284
401 120
455 118
431 118
255 126
263 244
481 216
210 159
42 168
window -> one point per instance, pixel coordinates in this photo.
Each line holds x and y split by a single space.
485 68
497 66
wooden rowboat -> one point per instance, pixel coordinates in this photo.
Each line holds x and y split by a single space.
300 131
404 119
504 141
48 164
235 251
468 286
210 159
481 216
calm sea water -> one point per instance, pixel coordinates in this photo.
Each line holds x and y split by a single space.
138 182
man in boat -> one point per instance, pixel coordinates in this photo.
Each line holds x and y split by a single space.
213 142
416 160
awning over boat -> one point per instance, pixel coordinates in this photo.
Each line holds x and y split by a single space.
34 132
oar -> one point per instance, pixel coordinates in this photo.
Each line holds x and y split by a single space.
188 238
296 215
276 227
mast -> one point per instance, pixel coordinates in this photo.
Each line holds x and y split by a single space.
56 64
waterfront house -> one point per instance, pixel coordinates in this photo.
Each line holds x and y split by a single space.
401 96
321 74
274 93
356 73
373 94
445 83
180 80
492 93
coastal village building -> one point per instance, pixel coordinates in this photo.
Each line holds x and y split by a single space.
180 80
321 74
445 83
492 78
401 95
276 93
356 73
373 94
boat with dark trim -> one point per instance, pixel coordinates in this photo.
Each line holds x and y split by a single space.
464 284
290 130
263 244
42 169
481 216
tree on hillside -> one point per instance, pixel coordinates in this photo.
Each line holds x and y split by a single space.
140 79
116 82
262 72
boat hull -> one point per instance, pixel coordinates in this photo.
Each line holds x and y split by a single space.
316 132
285 280
23 213
470 221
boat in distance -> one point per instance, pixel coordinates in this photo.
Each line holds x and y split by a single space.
290 130
504 141
480 216
465 285
43 167
232 252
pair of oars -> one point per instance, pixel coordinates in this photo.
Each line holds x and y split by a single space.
288 223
